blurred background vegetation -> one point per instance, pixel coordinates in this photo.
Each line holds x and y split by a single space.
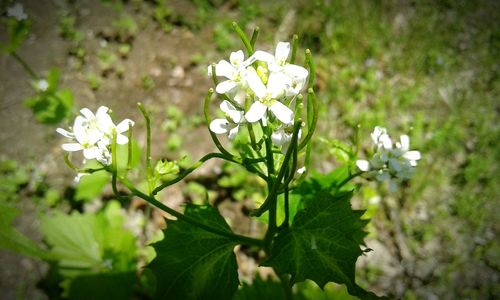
426 68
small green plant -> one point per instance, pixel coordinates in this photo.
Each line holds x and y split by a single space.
147 82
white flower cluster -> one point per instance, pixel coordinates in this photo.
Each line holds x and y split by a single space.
392 164
17 11
93 134
264 85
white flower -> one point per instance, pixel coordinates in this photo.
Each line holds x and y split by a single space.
231 124
42 85
234 71
390 164
380 138
267 98
363 165
301 170
92 134
277 64
404 146
17 12
282 136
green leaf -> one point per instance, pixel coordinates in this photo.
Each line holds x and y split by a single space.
52 80
51 108
89 244
192 263
103 286
322 244
324 182
91 186
261 289
17 32
13 240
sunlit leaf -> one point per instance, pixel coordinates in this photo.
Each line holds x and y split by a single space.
192 263
91 186
89 244
322 244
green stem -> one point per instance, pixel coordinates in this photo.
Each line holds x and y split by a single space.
293 168
285 282
286 221
294 48
114 165
255 34
69 163
149 170
275 187
78 170
269 151
189 170
312 117
345 181
271 228
235 237
243 38
129 147
312 69
25 65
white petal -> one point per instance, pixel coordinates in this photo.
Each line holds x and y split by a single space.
301 170
386 141
256 112
124 125
363 165
209 70
101 111
121 139
282 112
412 155
405 142
296 71
79 176
87 113
225 86
264 120
282 51
377 132
71 147
263 56
91 153
219 126
105 123
236 58
255 83
278 137
224 68
64 132
231 111
233 132
240 96
277 83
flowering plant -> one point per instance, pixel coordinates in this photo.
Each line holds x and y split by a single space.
269 112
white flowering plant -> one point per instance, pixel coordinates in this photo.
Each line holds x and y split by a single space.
50 104
267 117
